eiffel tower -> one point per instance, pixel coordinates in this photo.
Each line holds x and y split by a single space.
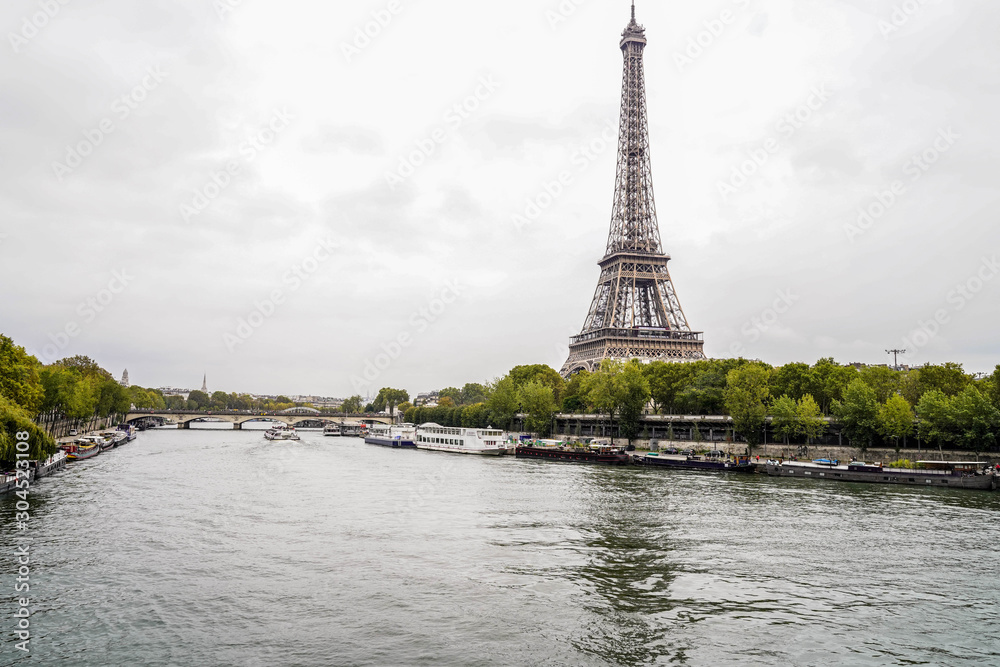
636 313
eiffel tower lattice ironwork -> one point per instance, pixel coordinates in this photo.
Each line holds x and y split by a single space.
635 313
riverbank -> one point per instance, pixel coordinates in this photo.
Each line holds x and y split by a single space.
810 452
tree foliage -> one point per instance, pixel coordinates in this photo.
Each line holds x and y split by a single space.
538 402
857 413
20 379
895 418
746 395
15 419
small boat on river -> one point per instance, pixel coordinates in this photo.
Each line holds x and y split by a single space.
561 452
949 474
81 449
331 430
281 432
402 436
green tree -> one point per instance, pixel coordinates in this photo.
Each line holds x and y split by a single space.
220 400
883 380
747 391
994 388
175 402
503 403
15 419
476 416
198 400
785 417
793 380
909 386
20 379
977 420
446 402
948 378
473 393
112 398
666 382
352 405
895 419
811 423
604 392
633 389
575 395
857 413
453 393
538 401
59 384
522 375
82 403
390 398
830 379
88 367
937 423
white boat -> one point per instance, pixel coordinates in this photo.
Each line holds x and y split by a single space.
401 436
281 432
481 441
332 430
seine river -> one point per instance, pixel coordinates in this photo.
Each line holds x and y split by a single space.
219 548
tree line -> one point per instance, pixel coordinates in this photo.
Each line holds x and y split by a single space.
875 405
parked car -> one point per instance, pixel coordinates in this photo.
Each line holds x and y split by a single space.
73 431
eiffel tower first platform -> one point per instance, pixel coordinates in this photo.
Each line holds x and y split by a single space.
636 313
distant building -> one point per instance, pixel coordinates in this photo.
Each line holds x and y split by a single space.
204 383
171 391
428 399
124 381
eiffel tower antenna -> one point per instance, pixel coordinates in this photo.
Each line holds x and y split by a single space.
635 313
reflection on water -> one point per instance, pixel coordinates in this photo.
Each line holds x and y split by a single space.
220 548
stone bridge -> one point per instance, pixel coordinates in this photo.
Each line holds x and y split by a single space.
184 418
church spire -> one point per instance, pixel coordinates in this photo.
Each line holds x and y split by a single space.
204 383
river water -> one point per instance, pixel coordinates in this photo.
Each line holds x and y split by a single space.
220 548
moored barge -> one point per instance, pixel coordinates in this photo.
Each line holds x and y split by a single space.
949 474
714 461
562 453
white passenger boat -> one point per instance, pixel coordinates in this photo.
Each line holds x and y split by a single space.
332 430
281 432
481 441
401 436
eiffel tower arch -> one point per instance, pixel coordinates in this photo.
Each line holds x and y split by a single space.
636 313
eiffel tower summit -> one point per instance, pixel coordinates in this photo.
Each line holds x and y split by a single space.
636 313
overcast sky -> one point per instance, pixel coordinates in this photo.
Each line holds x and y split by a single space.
180 164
